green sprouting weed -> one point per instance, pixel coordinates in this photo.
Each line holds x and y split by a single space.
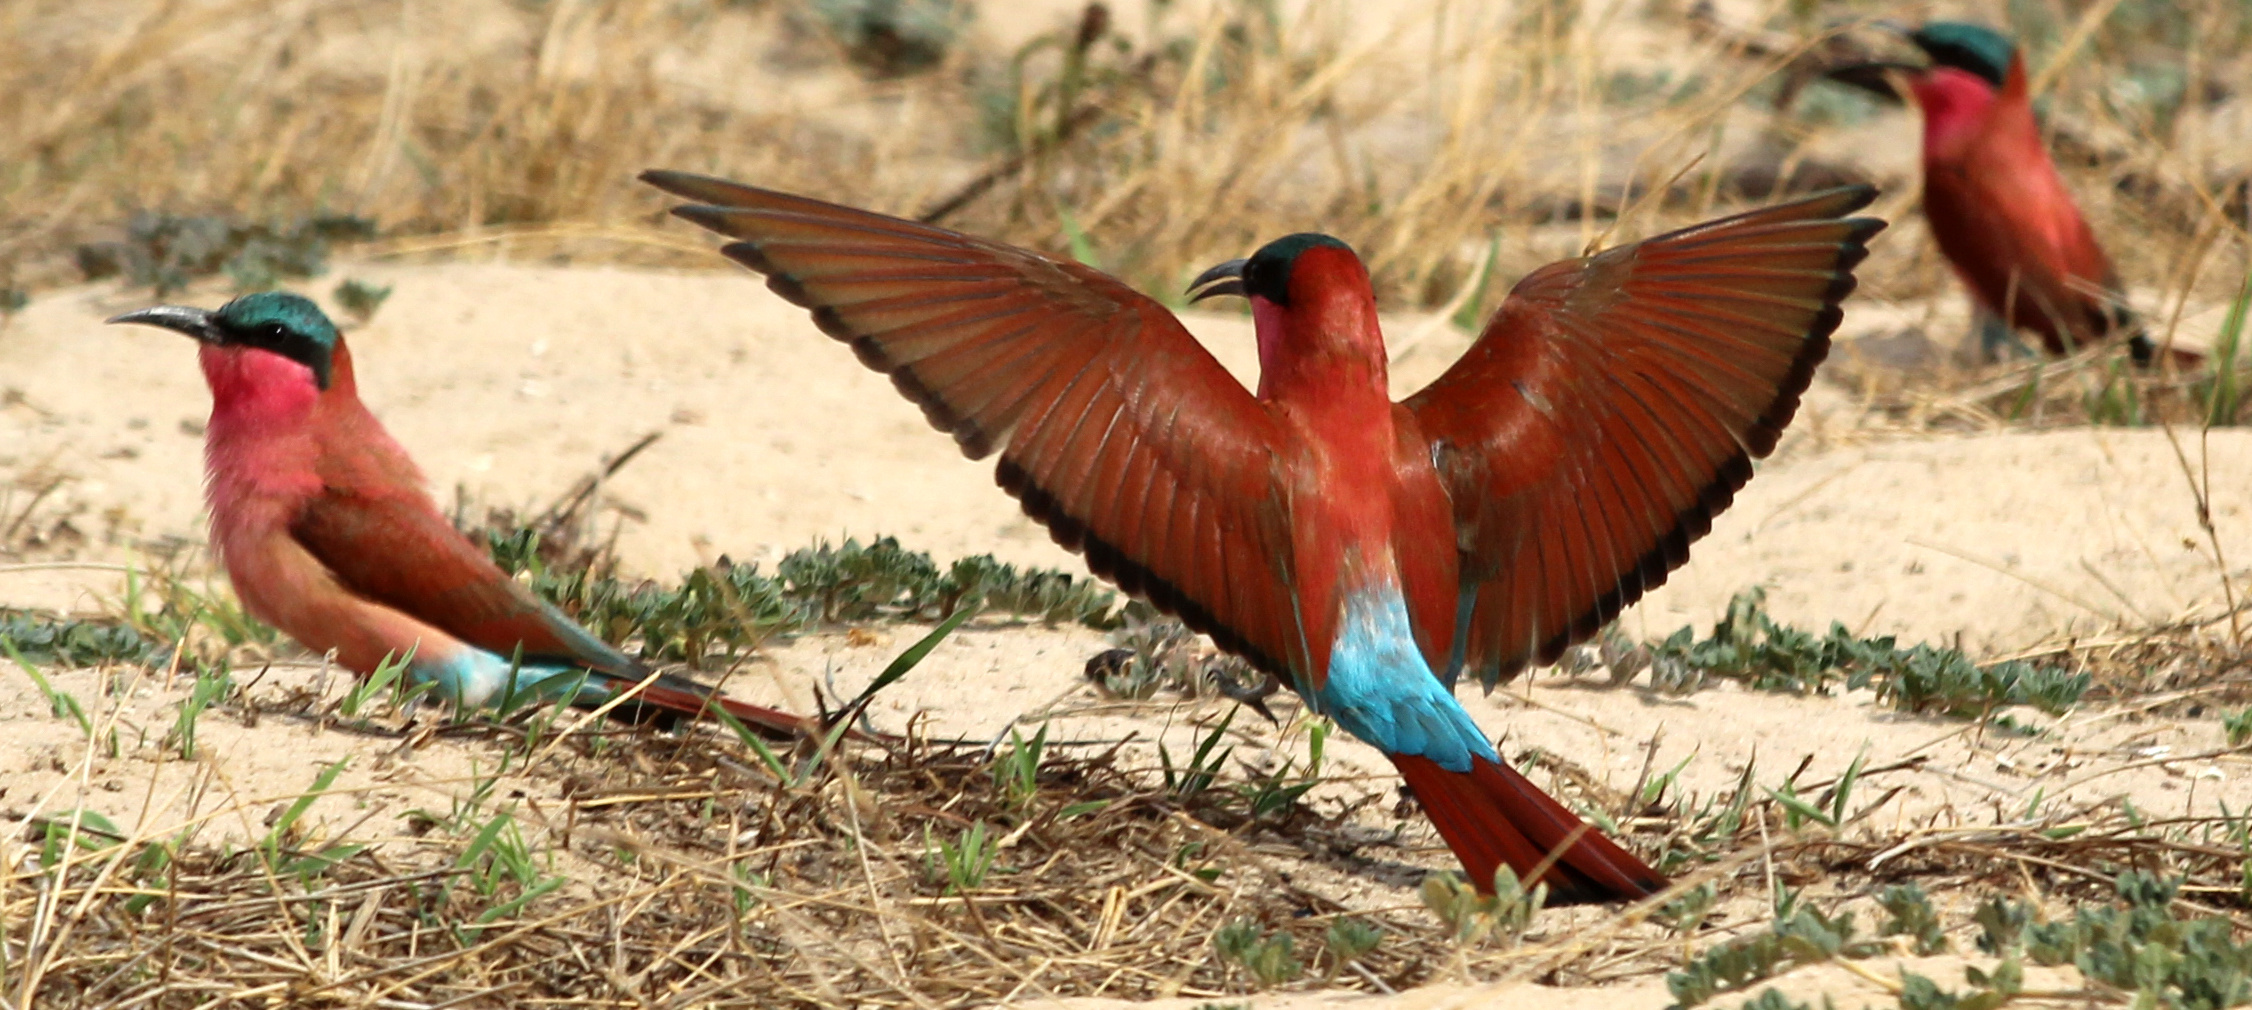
2237 727
1277 793
1830 810
387 680
1655 790
359 299
773 762
962 864
1909 913
748 882
277 837
1193 852
59 703
912 657
1016 770
1272 960
2117 399
211 685
177 609
1712 830
150 870
498 860
76 829
1475 918
2221 395
1075 239
1192 780
1472 314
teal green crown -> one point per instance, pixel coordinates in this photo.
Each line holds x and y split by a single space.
1972 48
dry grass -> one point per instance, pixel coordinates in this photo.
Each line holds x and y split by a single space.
1419 138
636 869
697 875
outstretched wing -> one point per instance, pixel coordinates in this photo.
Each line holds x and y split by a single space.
397 550
1612 407
1115 428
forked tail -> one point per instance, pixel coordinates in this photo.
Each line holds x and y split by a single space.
1491 815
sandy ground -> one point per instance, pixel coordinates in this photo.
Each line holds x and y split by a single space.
510 382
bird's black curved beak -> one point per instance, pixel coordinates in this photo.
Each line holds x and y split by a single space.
1872 76
1225 279
198 323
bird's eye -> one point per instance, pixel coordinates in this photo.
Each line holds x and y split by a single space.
273 331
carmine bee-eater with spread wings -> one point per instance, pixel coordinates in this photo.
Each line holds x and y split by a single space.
1363 550
322 523
1998 208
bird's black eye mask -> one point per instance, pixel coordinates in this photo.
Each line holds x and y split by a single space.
1266 274
282 323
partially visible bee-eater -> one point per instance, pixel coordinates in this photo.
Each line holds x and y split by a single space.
324 527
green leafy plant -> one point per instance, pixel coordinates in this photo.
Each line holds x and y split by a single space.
1800 935
2137 945
167 251
1687 913
210 687
719 611
1908 913
1347 939
1273 960
76 642
1751 647
1475 918
360 299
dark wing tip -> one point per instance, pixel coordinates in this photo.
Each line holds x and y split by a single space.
1655 566
1108 562
689 185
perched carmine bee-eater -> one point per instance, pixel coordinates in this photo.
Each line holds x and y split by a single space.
325 529
1998 208
1363 550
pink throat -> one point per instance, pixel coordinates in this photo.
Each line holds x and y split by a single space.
1956 105
257 388
1267 322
